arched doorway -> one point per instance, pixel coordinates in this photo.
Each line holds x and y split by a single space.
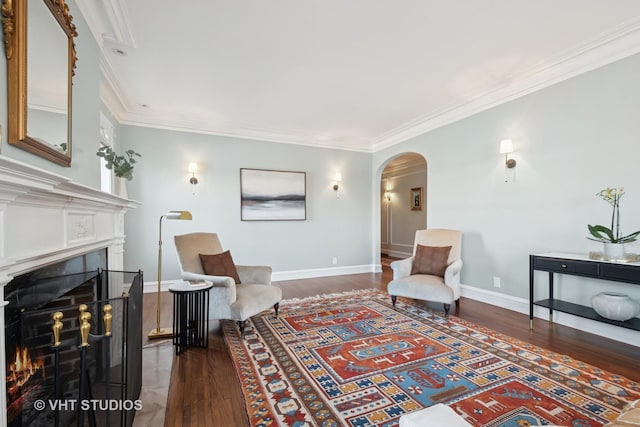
403 205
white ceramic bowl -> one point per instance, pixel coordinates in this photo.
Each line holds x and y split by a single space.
615 306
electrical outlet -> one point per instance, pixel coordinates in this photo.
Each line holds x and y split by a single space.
496 282
334 260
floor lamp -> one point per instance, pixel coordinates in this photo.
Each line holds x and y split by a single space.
159 332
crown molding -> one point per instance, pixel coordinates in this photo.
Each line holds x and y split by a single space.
108 21
111 93
242 132
612 46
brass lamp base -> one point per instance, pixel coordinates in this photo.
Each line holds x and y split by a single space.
160 333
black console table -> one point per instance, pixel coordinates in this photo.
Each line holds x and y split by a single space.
580 265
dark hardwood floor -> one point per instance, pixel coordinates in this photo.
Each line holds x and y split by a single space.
204 390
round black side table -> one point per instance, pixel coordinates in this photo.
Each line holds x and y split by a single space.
190 315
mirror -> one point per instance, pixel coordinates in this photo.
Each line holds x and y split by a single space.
41 58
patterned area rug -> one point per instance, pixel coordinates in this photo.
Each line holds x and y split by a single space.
352 359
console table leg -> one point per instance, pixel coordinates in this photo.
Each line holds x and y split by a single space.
530 291
550 297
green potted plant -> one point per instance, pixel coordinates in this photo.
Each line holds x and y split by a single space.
611 237
121 165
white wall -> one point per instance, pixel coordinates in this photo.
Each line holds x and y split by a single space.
571 139
335 227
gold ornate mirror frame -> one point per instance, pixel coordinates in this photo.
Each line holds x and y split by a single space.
14 23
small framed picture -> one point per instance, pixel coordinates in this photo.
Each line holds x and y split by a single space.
416 199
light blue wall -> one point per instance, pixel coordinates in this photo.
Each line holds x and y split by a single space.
571 139
335 226
85 119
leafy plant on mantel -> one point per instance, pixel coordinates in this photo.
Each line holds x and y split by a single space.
600 233
122 165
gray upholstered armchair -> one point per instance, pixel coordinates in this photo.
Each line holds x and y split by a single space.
436 280
229 300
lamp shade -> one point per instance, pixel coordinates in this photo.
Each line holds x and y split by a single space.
178 215
506 146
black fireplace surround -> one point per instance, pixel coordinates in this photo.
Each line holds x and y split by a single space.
70 384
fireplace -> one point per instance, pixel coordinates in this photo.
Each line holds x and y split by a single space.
46 219
56 373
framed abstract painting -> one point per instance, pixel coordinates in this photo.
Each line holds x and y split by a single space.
270 195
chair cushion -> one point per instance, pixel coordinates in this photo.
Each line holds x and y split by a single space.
430 260
427 287
220 265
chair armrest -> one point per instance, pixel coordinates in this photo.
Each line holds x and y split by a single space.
254 274
218 281
452 273
401 268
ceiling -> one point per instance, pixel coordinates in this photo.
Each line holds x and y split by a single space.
353 74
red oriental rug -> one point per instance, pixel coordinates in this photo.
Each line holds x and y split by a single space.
352 359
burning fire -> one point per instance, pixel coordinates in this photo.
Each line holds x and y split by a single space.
19 372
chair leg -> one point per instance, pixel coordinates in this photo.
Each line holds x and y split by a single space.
446 309
276 306
241 325
393 300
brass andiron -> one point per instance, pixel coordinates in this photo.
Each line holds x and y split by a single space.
85 327
57 327
81 309
107 319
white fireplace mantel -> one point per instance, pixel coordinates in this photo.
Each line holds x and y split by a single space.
46 218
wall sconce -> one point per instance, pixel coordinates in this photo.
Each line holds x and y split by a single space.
338 181
193 168
506 147
387 196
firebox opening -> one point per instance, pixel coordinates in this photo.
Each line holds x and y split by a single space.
38 370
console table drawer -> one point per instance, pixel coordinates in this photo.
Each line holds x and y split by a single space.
566 266
620 273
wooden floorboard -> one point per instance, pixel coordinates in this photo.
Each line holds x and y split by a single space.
204 390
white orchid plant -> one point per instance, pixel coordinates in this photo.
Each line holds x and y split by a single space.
600 233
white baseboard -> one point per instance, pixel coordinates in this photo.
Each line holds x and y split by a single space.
279 276
151 287
397 254
521 305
